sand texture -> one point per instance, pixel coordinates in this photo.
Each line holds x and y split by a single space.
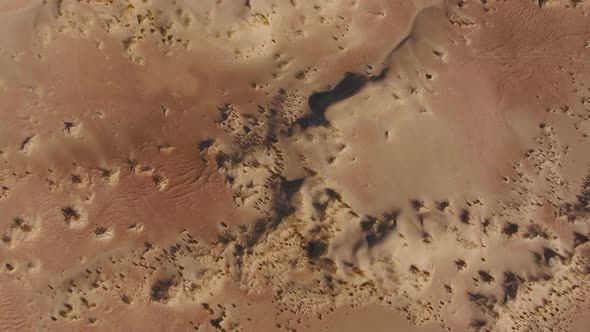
295 165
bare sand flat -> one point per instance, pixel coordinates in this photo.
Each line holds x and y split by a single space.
326 165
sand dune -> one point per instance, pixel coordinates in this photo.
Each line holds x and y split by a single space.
257 165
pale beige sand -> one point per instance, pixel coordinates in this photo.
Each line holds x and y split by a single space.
165 165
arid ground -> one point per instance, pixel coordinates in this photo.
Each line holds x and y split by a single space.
295 165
